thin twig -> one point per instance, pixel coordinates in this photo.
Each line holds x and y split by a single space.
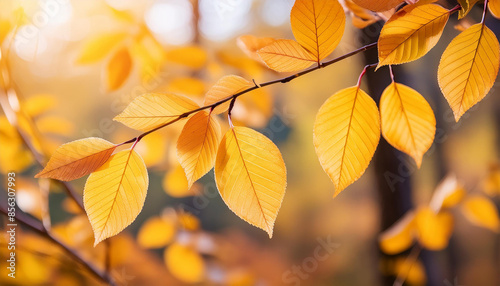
38 227
257 86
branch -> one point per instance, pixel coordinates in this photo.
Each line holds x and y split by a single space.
40 158
37 227
257 86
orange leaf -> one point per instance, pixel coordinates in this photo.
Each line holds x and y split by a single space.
151 110
251 176
468 68
346 134
251 44
408 122
76 159
115 193
118 69
318 25
286 56
197 145
378 5
225 87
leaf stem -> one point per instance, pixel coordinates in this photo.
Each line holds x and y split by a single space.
454 9
391 72
257 86
485 11
365 69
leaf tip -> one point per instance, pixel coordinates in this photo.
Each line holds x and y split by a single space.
270 233
418 160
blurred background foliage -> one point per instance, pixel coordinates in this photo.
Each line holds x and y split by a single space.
74 65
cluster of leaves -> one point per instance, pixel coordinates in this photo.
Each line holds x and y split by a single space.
249 169
431 226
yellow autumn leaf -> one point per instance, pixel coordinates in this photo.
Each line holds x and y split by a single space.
225 87
413 272
447 194
189 86
99 47
76 159
359 11
318 25
251 44
493 5
175 183
240 62
118 69
14 156
55 125
482 212
398 237
466 7
433 229
197 145
492 181
251 176
286 56
38 104
188 221
156 232
254 109
378 5
152 148
115 193
149 55
5 28
468 68
190 56
346 134
408 122
361 23
184 263
151 110
411 33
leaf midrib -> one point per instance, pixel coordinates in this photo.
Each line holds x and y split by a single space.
249 177
117 192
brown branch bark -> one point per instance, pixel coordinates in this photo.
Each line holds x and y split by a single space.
257 86
38 227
